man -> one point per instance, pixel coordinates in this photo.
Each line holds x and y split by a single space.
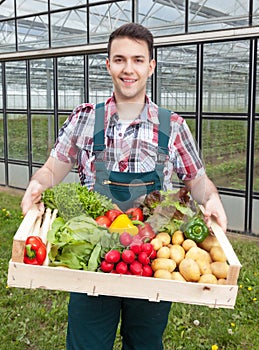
129 129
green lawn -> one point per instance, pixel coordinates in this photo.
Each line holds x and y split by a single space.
36 319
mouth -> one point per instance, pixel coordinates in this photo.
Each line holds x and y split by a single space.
128 81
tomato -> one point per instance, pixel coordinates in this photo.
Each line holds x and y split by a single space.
103 221
112 256
135 214
112 214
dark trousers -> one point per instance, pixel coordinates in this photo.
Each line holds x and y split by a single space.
93 322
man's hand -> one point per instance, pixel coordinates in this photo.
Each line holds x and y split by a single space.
213 208
32 195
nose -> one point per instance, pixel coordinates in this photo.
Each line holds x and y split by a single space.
128 67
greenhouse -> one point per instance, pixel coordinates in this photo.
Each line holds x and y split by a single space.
52 56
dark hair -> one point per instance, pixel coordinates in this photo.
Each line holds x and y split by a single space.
134 31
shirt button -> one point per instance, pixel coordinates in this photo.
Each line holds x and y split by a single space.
120 134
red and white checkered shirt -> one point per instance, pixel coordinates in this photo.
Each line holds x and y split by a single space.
135 150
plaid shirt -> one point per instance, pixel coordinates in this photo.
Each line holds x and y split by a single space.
133 151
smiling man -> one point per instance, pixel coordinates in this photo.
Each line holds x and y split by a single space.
124 148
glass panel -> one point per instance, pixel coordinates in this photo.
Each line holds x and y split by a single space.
1 135
29 7
69 28
17 137
256 158
33 33
63 4
226 76
224 152
7 8
100 83
255 12
162 17
41 84
71 82
42 137
16 85
1 87
61 119
220 14
176 78
7 36
105 18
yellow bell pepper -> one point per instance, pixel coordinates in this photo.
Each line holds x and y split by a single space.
123 224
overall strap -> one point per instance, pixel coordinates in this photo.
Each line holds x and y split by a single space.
98 138
164 116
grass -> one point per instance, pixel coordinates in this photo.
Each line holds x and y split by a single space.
36 319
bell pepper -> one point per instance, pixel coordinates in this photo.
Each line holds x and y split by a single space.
123 224
196 229
35 251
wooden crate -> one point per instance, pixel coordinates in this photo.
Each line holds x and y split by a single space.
21 275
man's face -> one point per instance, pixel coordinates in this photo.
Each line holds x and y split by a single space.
129 66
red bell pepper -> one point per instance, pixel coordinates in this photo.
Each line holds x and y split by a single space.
35 251
135 214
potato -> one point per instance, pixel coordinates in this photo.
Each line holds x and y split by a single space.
219 269
208 278
196 253
178 237
209 242
204 266
217 254
164 237
222 281
176 276
163 264
157 243
190 270
188 244
162 274
163 252
177 253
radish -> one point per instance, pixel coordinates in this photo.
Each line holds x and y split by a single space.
136 268
147 247
113 256
122 268
147 271
106 266
128 256
126 239
143 258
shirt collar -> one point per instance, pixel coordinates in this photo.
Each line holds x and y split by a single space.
149 113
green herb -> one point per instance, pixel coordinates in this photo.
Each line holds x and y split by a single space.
72 199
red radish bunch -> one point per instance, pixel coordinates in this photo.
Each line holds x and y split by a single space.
136 260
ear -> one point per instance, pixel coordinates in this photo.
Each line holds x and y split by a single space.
152 66
107 62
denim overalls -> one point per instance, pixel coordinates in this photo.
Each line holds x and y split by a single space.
92 320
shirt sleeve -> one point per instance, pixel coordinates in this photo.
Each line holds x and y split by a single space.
183 151
71 137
